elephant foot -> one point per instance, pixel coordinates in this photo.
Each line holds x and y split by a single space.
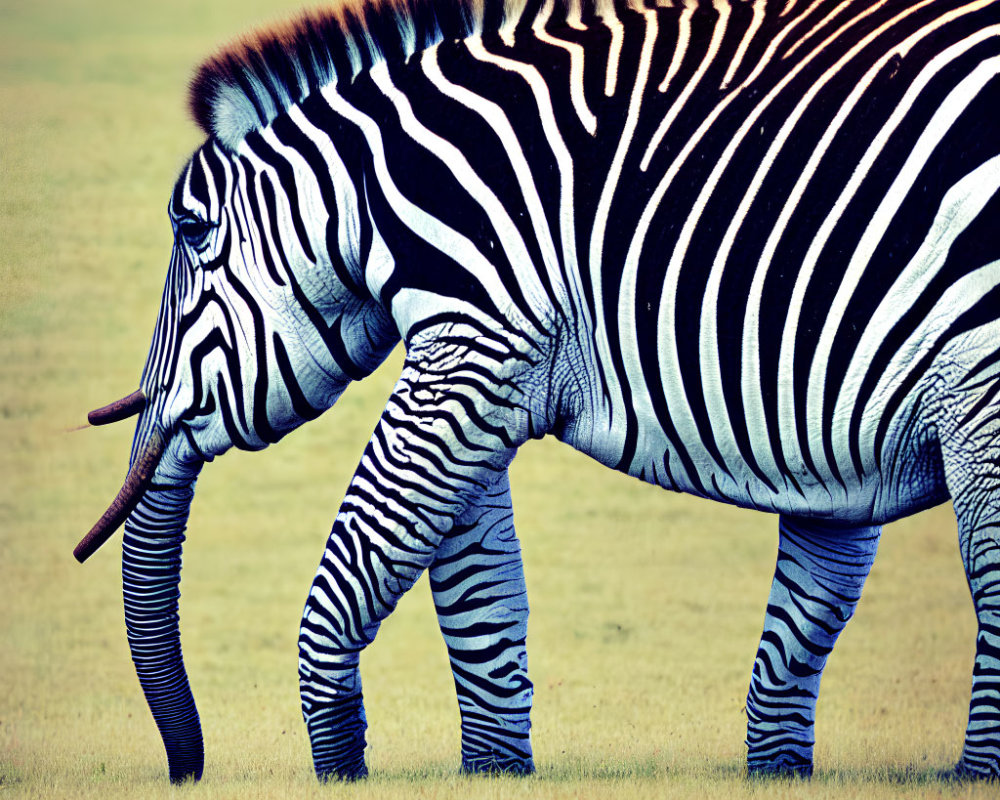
497 764
784 765
345 774
973 771
337 735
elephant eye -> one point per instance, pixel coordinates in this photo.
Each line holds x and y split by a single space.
194 231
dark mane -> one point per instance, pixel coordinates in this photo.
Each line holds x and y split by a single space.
253 80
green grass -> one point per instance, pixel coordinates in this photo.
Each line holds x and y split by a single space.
646 607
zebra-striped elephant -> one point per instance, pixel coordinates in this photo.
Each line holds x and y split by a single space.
745 250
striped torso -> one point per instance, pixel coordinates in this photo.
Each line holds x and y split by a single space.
746 222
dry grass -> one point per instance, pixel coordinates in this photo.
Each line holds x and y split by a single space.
646 607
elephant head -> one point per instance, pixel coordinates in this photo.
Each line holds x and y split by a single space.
264 321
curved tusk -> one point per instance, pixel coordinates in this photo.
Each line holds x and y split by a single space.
136 482
120 409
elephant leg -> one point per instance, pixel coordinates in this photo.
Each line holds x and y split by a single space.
441 442
482 605
971 456
359 582
817 583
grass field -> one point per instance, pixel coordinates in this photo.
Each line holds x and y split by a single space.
646 607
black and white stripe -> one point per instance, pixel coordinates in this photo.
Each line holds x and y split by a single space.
739 249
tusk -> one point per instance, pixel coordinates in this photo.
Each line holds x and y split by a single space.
136 482
120 409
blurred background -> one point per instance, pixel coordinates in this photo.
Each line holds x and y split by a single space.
646 607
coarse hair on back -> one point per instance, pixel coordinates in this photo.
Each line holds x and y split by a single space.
248 83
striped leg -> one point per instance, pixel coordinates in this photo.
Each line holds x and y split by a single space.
818 579
972 467
437 448
980 543
482 606
360 580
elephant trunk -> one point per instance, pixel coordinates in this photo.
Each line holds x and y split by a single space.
154 504
151 564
